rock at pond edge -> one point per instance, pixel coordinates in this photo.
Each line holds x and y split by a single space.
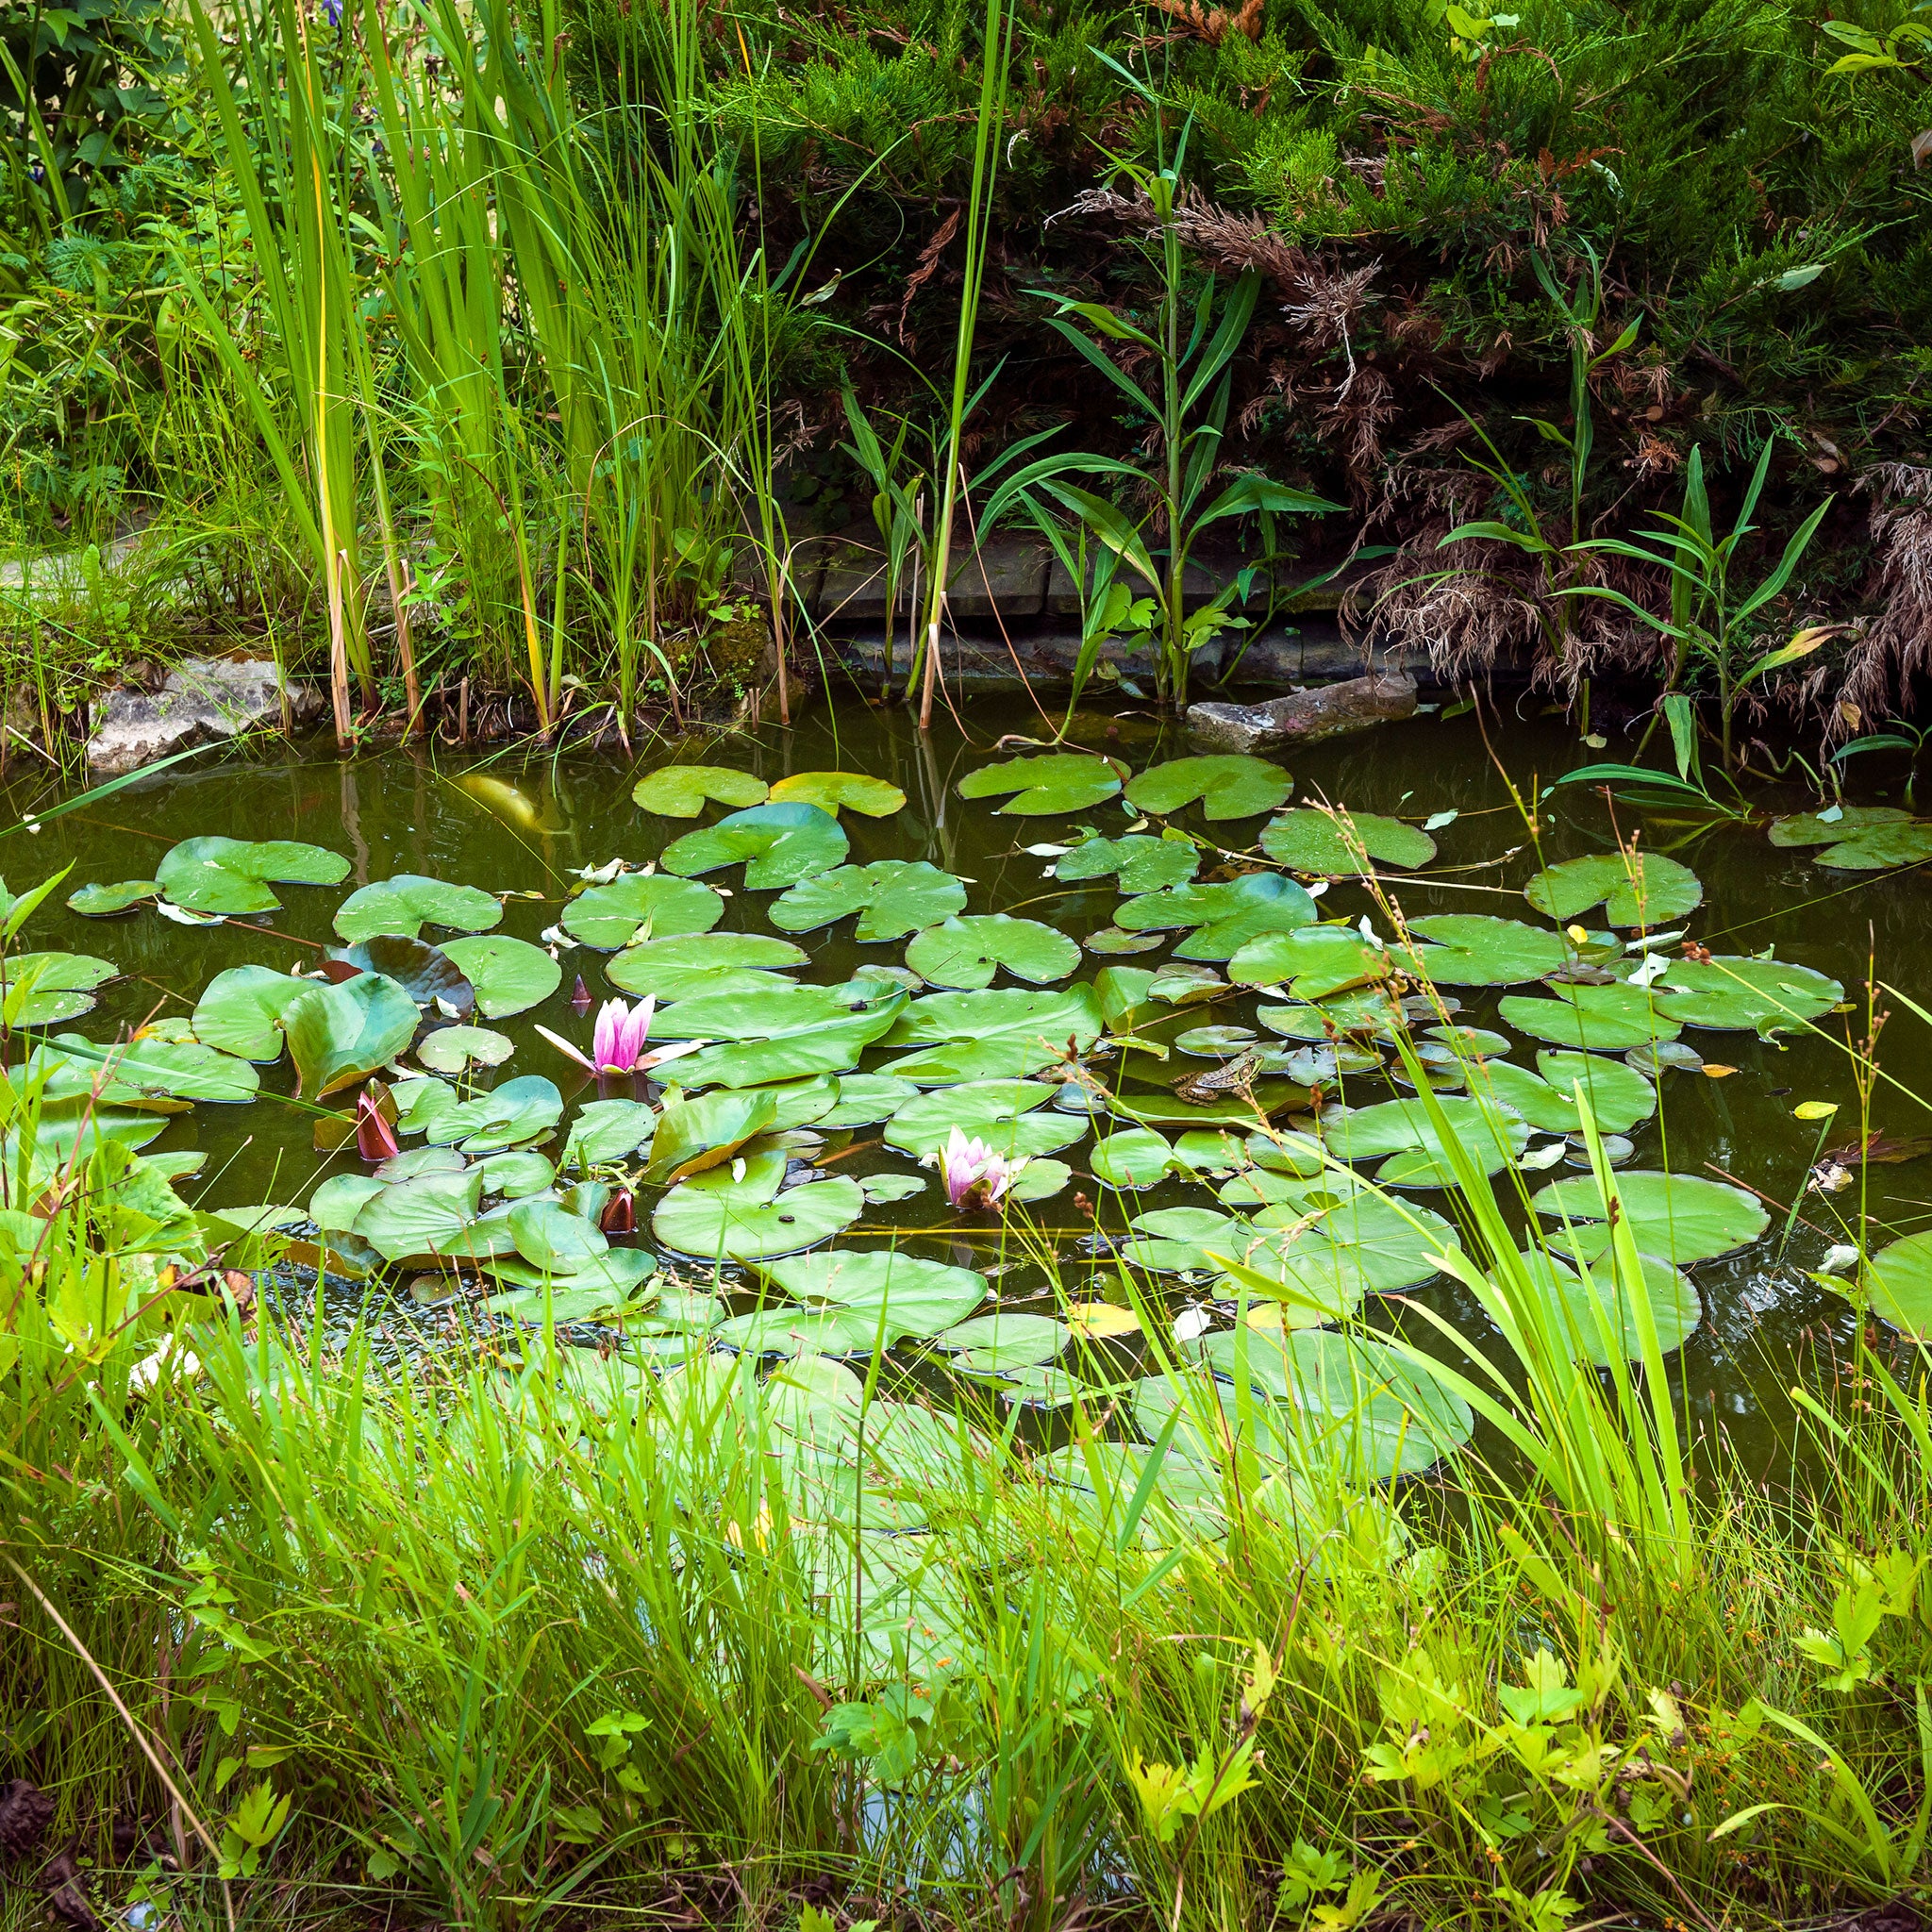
1306 716
204 701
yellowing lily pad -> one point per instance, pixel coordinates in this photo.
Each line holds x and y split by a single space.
680 791
834 791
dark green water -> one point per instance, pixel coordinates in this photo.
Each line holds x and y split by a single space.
1765 1323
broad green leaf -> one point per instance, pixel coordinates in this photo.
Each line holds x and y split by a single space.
1812 828
1596 1314
1314 962
1599 1019
1134 1158
1404 1131
1366 1014
1881 848
450 1049
919 1297
1344 844
894 898
705 1131
1228 916
867 1100
551 1238
1162 1109
707 963
1899 1281
428 1215
338 1035
639 906
1142 864
164 1075
514 1175
239 1011
509 975
679 791
605 1131
834 791
832 1046
1634 889
1620 1097
778 844
1061 781
1740 995
1006 1114
968 950
48 988
1476 949
232 875
713 1217
1681 1218
407 902
104 901
523 1111
1009 1339
773 1005
1230 785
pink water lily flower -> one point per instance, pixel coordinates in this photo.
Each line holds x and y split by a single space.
617 1040
975 1177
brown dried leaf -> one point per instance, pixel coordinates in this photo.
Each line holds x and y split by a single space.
26 1811
1881 1149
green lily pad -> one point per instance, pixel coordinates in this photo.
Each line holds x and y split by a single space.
1404 1131
831 1046
1681 1218
515 1175
1474 949
163 1076
1009 1116
1320 1270
1634 889
1040 1180
1142 864
773 1006
336 1202
705 1131
968 950
1230 785
341 1034
407 902
1899 1281
1061 781
1739 994
233 876
1620 1097
450 1049
715 1217
605 1131
778 844
48 988
1180 983
1598 1314
893 897
1226 917
1863 838
881 1189
679 791
712 963
425 972
1006 1339
867 1100
837 791
1314 841
1847 822
509 975
1033 1028
549 1237
429 1215
1313 961
1367 1013
1111 943
639 907
1599 1019
104 901
852 1300
1214 1042
418 1103
521 1112
239 1011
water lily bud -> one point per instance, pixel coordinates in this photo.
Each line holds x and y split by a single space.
375 1140
619 1215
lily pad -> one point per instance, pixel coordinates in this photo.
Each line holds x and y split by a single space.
1620 1097
1407 1130
1215 1042
831 1046
606 1131
1474 949
851 1300
1367 1012
1009 1116
341 1034
712 963
1634 889
1006 1339
639 907
1597 1312
1862 838
1109 941
967 951
1228 916
1899 1281
428 1215
509 975
407 902
1741 994
1846 822
1336 845
521 1112
989 1036
893 897
1320 1264
777 845
1229 786
165 1076
48 988
234 875
425 972
1313 962
773 1005
835 792
881 1189
679 791
1061 781
1681 1218
717 1218
704 1132
1142 864
515 1175
1599 1019
104 901
240 1011
450 1049
867 1100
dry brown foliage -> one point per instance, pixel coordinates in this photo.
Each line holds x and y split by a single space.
1897 644
1211 24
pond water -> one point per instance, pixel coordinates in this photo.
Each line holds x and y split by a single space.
535 824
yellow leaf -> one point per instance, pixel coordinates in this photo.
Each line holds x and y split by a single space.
1814 1110
1265 1315
1096 1320
1575 933
1712 1071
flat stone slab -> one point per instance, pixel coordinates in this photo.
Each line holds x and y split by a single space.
204 701
1305 717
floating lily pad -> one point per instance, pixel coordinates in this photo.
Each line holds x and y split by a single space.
48 988
1110 941
163 1076
1739 995
1600 1018
893 897
967 951
989 1036
450 1049
705 1131
1407 1130
679 791
1006 1114
104 901
1228 916
831 1046
1134 1158
1844 821
777 845
1215 1042
1040 1180
1320 1264
1474 949
521 1112
1006 1339
715 1217
851 1300
407 902
1313 962
1337 846
341 1034
509 975
606 1131
1597 1313
835 792
1142 864
1682 1218
866 1100
712 963
1619 1096
1180 983
239 1011
1061 781
1163 1110
428 1215
515 1175
773 1006
639 906
1229 786
425 972
1859 838
1634 889
881 1189
1899 1281
233 876
1367 1012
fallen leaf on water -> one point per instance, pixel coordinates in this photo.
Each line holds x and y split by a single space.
1713 1071
1880 1149
1095 1320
